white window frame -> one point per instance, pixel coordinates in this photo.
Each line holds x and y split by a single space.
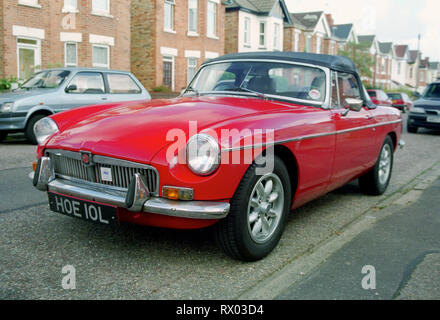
66 64
172 5
67 8
309 43
37 53
262 34
29 3
195 17
101 12
194 66
318 44
247 31
276 36
296 41
101 65
173 74
209 32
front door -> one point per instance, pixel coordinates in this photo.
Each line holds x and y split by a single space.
355 134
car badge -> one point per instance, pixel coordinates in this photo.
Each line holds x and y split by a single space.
86 158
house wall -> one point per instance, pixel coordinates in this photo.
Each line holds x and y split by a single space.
383 76
47 22
255 21
231 34
395 75
411 77
290 34
1 41
153 44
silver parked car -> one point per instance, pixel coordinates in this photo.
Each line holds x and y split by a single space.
55 90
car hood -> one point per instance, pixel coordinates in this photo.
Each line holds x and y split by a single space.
430 103
137 131
20 94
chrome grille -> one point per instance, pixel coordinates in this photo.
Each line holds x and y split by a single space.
68 164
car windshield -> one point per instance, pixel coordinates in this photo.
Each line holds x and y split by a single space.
433 91
395 96
261 79
46 79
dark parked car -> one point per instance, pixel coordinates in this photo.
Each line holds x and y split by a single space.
425 112
379 97
400 101
55 90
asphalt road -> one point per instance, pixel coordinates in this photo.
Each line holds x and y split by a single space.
147 263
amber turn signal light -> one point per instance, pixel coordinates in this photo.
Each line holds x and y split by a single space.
176 193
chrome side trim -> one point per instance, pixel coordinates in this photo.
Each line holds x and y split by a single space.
319 135
183 209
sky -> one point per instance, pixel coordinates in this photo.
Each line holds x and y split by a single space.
397 21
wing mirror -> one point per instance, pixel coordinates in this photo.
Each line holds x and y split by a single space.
72 87
354 104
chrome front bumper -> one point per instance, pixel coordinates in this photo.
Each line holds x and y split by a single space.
44 180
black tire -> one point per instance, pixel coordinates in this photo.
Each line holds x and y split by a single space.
29 131
233 233
372 183
3 135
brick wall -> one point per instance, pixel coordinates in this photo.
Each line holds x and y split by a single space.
1 41
289 40
143 41
148 37
231 32
50 17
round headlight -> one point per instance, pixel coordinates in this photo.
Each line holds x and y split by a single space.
45 128
203 154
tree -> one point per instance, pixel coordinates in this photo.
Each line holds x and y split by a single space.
358 53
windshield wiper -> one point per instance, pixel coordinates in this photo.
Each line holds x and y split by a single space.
191 89
258 94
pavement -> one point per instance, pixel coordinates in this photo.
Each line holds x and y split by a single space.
401 251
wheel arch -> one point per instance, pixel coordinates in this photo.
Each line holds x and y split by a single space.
291 163
36 111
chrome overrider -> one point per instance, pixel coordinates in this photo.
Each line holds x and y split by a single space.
137 199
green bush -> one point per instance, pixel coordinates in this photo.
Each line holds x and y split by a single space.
162 89
6 83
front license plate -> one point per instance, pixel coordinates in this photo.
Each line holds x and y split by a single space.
86 210
433 119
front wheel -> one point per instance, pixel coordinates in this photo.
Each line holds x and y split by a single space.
258 214
376 181
29 132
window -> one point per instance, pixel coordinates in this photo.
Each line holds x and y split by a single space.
70 54
296 43
70 6
318 44
411 72
247 30
262 41
46 79
192 16
32 3
122 84
212 19
168 72
399 66
169 15
87 83
101 56
101 6
192 68
28 56
308 47
276 37
348 87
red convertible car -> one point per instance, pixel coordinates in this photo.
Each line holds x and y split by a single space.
254 136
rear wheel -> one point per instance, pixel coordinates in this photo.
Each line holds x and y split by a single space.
411 129
376 181
258 214
3 135
29 132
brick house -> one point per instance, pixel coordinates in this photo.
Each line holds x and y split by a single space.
413 68
309 32
170 39
38 34
399 66
372 46
343 34
384 65
434 72
423 74
255 25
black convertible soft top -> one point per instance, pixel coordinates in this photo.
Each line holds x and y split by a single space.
337 63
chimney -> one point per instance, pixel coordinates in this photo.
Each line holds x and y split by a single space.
330 20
